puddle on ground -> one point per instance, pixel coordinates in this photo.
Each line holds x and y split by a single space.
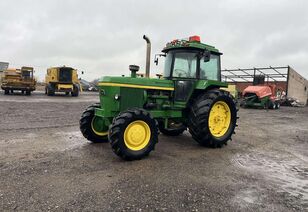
291 174
245 198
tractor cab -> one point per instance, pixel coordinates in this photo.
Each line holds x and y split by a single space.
191 59
188 61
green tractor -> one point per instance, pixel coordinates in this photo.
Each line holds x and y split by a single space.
133 110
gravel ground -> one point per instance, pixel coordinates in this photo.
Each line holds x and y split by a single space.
46 164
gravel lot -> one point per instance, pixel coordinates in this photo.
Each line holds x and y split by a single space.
46 164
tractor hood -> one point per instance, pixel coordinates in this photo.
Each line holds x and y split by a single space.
143 83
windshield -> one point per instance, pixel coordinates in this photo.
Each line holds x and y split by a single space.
26 74
185 64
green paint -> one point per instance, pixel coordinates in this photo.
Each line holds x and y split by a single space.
254 102
203 84
138 81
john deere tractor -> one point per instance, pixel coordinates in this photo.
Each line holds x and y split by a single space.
133 110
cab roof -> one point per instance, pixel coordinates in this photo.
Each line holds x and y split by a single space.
193 42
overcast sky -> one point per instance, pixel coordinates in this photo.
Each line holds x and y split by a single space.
104 37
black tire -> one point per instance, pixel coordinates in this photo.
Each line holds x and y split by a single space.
67 93
75 91
277 105
6 92
117 130
86 128
22 92
271 105
199 117
50 90
171 131
28 93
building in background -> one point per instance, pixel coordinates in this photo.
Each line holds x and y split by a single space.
288 82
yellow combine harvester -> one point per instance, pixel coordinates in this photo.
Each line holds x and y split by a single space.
62 79
18 79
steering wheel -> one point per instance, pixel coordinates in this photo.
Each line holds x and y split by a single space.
180 72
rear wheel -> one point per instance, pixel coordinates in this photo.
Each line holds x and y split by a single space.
75 91
212 118
6 91
92 127
133 134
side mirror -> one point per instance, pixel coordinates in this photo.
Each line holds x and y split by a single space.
156 60
207 56
156 57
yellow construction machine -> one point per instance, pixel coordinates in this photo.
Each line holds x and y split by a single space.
62 79
18 79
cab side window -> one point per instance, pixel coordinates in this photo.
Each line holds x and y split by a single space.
210 70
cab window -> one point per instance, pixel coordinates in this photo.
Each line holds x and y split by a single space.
210 70
185 65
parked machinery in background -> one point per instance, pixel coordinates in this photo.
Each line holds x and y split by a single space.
18 79
261 96
62 79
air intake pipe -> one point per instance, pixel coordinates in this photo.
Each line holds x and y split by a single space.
148 56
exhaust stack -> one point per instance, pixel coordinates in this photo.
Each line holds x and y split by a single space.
148 56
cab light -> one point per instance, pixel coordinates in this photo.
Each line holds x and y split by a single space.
195 38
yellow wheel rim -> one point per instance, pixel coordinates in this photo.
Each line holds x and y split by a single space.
104 133
137 135
219 119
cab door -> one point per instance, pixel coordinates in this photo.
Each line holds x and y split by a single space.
184 74
183 89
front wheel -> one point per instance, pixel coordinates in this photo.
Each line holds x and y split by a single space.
133 134
92 127
50 90
212 118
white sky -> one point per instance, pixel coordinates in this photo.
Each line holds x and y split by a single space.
104 37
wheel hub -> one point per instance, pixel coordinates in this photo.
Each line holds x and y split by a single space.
219 119
137 135
97 126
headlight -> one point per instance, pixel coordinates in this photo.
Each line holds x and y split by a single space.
116 97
